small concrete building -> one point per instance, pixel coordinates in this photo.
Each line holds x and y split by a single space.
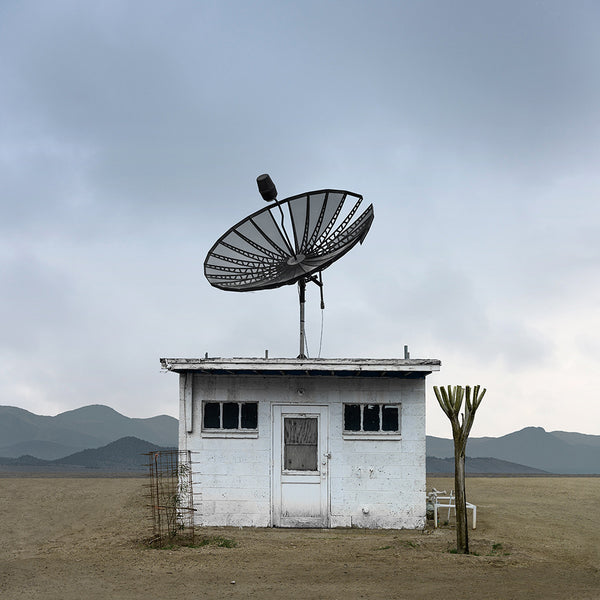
305 442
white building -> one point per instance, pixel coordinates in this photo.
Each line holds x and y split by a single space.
305 442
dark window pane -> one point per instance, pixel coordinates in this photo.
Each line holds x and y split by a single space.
300 439
231 415
250 415
371 417
212 415
390 418
351 417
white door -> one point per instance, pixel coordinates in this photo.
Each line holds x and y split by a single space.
300 466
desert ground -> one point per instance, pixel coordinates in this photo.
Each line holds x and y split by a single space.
82 538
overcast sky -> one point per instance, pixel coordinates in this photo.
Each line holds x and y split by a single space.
131 135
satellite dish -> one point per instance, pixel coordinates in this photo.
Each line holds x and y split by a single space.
258 253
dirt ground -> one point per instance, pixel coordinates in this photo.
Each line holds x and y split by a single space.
77 538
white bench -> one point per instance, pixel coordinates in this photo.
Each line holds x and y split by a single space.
441 499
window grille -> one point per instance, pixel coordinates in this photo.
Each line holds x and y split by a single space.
230 416
372 418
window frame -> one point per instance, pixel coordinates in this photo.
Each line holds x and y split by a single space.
285 446
372 435
221 432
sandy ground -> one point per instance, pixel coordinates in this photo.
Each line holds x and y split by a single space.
77 538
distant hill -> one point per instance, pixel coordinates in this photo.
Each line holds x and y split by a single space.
48 450
23 432
125 454
577 438
481 466
555 452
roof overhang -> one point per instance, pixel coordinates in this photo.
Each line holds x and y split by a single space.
337 367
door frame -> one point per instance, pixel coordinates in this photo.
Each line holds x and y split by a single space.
278 412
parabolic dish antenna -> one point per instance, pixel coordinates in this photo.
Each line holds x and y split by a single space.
259 254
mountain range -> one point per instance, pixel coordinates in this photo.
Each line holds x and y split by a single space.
88 436
25 433
554 451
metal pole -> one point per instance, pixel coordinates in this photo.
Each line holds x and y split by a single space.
302 293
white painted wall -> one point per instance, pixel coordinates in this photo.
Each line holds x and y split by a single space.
232 480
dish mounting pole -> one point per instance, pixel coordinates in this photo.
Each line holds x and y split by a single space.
302 295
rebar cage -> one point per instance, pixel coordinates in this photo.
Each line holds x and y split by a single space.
170 495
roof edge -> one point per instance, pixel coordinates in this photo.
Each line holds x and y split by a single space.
265 365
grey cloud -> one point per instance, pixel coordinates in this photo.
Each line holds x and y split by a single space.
36 304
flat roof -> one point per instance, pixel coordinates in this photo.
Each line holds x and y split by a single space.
355 367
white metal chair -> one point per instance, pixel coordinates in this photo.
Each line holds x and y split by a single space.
443 499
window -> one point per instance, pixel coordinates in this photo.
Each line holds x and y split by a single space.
230 416
372 418
301 445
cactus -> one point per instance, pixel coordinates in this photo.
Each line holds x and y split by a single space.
451 400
